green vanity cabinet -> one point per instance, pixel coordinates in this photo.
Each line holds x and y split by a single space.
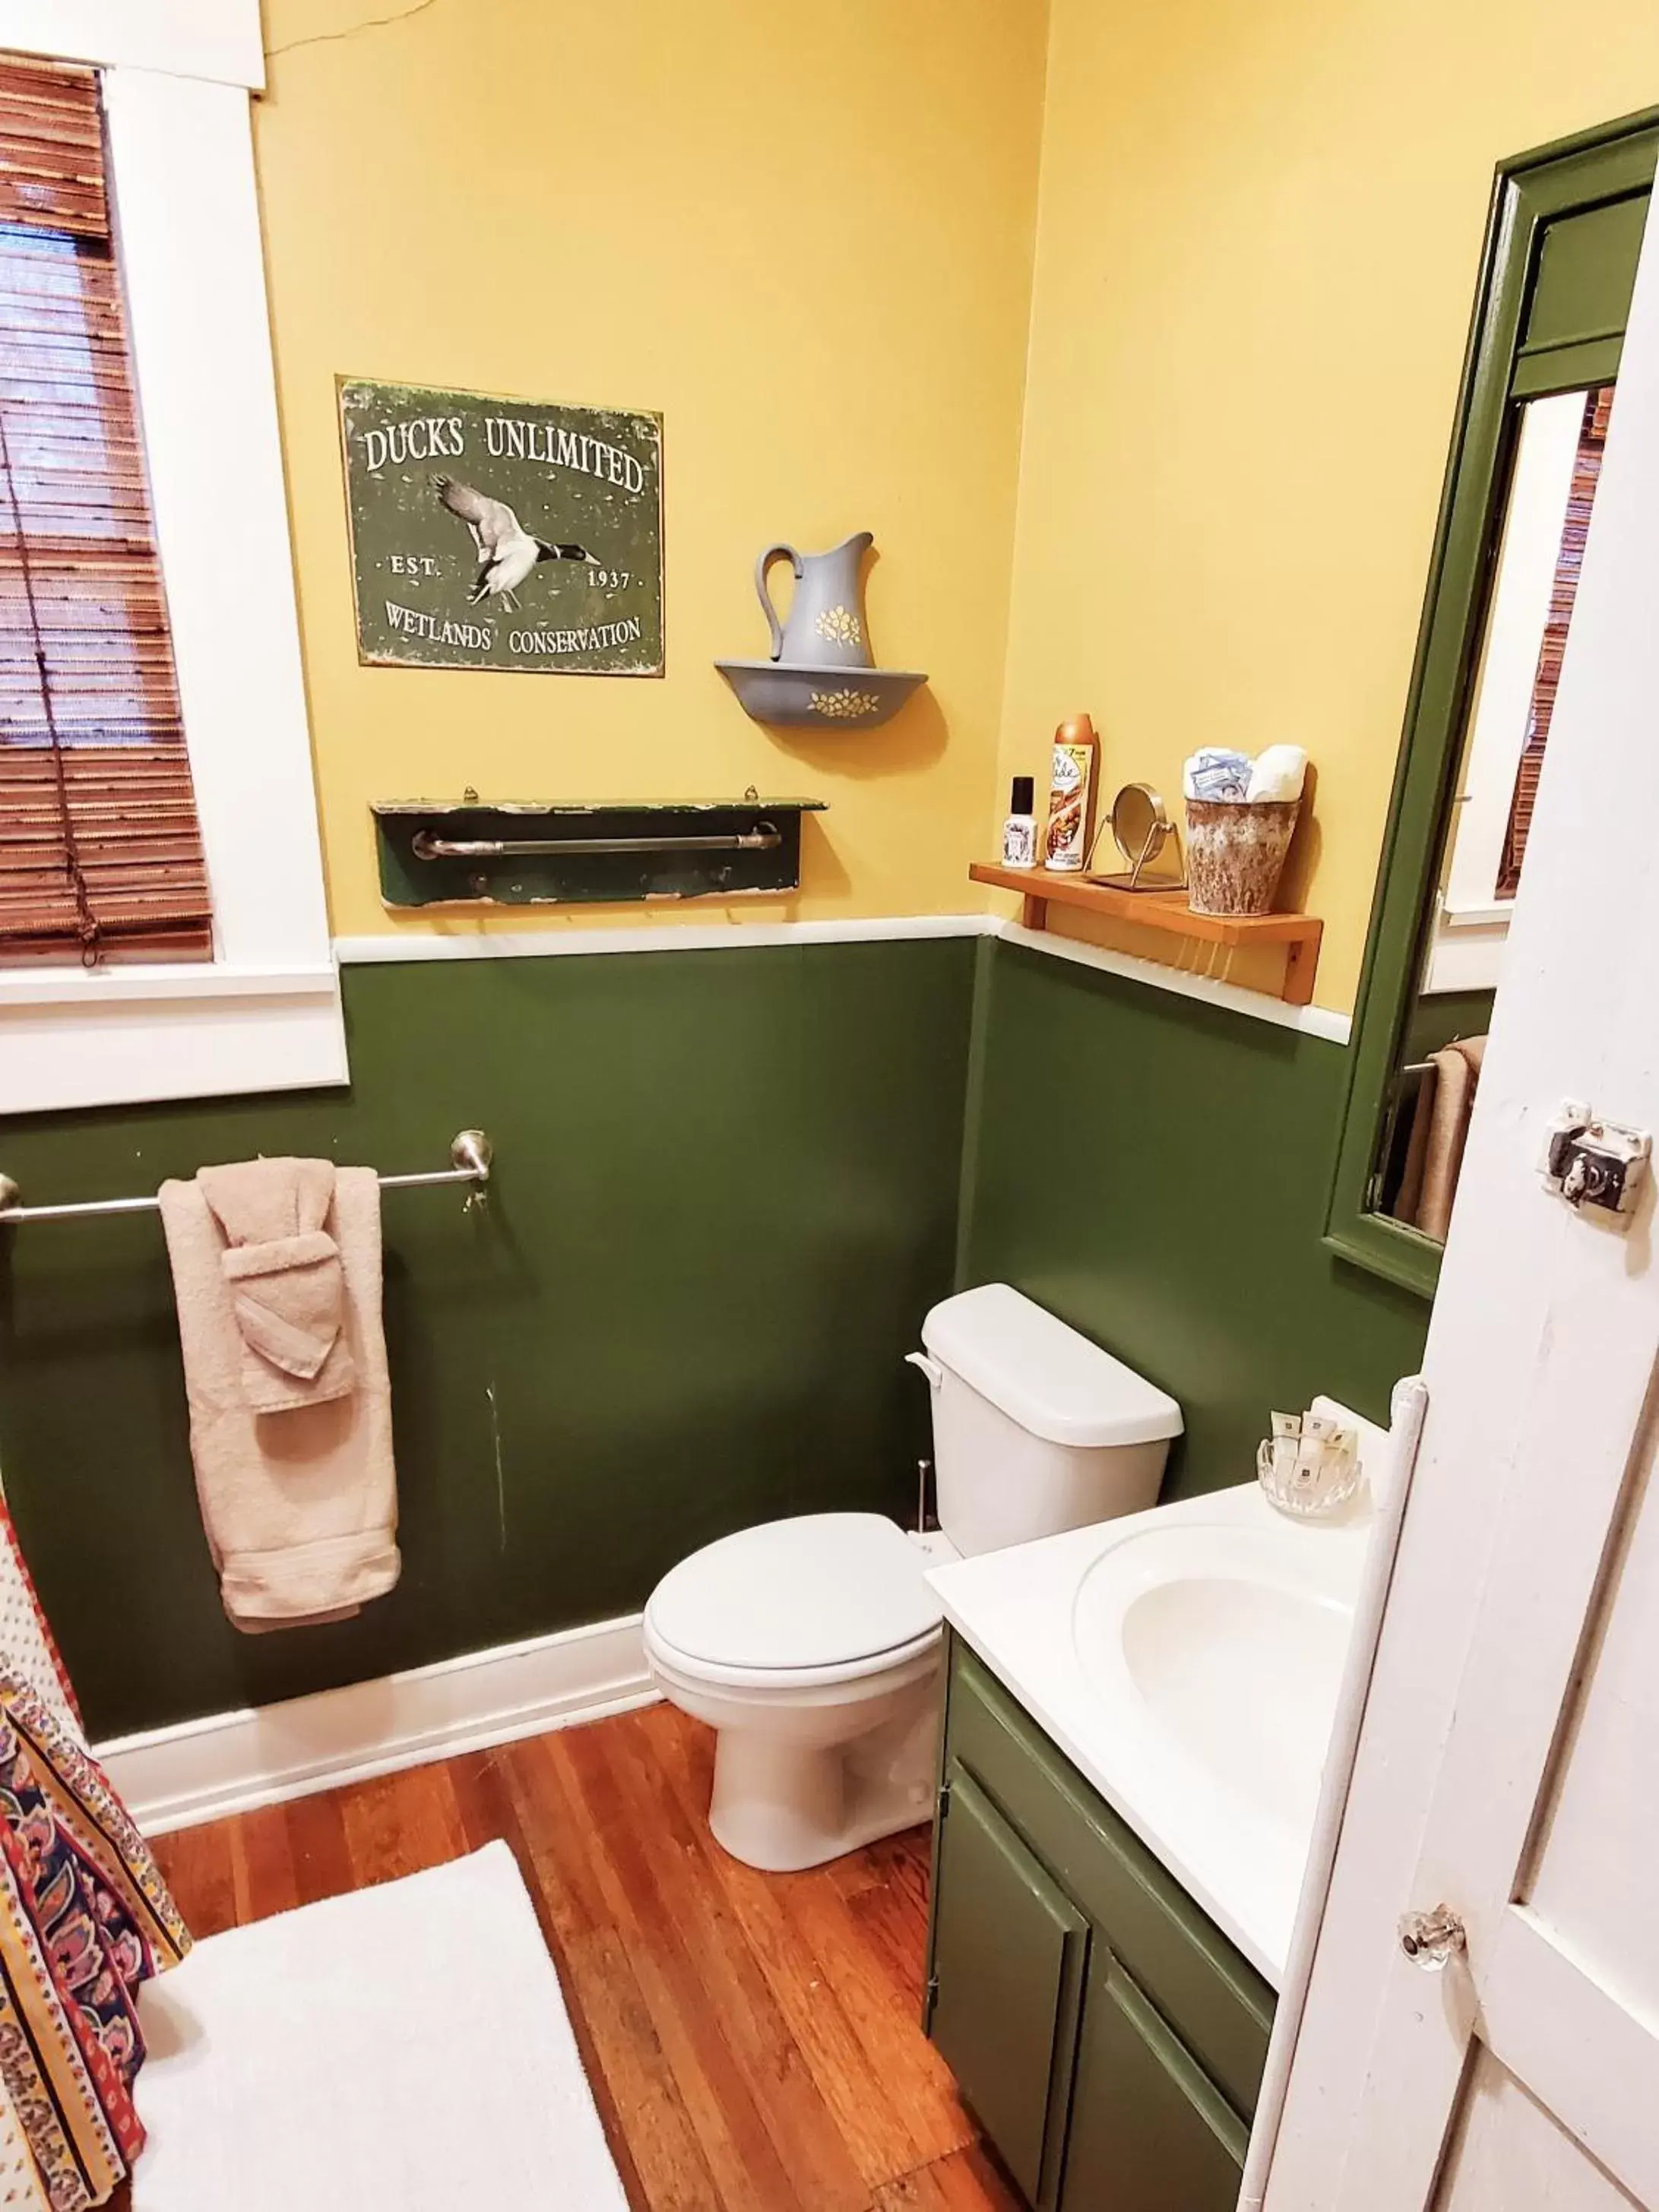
1108 2036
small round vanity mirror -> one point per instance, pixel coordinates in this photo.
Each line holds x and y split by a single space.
1141 831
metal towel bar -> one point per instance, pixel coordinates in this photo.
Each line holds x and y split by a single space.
471 1153
763 838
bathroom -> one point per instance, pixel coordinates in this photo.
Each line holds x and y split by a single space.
1135 339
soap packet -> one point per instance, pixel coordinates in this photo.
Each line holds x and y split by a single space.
1282 1448
1215 772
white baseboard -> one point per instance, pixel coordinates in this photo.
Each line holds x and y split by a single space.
204 1770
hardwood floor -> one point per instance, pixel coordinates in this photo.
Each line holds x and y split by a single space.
751 2038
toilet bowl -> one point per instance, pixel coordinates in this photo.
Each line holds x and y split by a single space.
812 1647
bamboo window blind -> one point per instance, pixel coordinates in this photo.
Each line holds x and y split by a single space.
1564 592
100 851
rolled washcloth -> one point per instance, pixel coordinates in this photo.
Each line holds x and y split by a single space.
282 1270
1277 773
1215 772
300 1506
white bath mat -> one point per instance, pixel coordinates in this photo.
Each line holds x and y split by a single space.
404 2047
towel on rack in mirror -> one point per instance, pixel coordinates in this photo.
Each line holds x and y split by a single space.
300 1507
288 1294
1439 1130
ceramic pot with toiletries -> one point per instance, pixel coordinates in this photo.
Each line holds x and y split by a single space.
1241 816
1073 776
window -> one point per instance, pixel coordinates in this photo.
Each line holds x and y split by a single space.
1564 592
100 853
168 1014
1538 552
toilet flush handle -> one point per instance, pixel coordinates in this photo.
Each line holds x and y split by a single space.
930 1368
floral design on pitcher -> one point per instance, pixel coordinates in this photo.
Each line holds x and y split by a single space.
839 626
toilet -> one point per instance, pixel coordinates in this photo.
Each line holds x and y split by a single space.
812 1645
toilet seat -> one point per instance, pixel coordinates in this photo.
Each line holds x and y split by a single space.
671 1663
822 1598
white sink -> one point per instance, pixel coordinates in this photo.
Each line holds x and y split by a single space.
1231 1640
1189 1660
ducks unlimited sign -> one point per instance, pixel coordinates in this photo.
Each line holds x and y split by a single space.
503 533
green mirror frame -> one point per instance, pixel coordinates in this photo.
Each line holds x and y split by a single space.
1555 277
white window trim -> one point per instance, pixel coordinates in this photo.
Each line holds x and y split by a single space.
265 1015
220 39
1467 952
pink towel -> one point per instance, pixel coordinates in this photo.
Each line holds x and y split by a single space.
300 1507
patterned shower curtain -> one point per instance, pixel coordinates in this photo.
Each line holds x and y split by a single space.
85 1918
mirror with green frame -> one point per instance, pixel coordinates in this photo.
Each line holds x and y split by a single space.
1562 245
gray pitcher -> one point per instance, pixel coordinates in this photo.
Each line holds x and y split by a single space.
826 626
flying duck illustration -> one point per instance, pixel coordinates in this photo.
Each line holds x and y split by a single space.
507 551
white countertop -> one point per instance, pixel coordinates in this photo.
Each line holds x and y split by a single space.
1241 1859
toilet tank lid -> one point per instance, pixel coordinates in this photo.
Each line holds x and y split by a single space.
1043 1375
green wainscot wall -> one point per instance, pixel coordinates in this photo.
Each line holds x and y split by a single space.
727 1193
1154 1169
728 1186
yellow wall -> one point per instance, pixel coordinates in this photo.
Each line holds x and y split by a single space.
1260 227
804 234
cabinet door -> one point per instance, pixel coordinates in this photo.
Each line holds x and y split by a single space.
1217 2005
1150 2132
1009 1949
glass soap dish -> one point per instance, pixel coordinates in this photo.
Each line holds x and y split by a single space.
1309 1468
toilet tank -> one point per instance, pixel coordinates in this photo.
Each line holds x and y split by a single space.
1034 1428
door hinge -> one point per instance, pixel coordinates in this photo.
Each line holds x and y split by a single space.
944 1801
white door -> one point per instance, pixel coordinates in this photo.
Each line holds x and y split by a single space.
1509 1761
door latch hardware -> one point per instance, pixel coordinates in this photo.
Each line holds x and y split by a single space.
1429 1939
1590 1162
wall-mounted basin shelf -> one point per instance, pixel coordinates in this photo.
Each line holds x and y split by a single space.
537 855
1299 933
819 698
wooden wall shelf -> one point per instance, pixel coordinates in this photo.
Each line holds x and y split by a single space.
1299 933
